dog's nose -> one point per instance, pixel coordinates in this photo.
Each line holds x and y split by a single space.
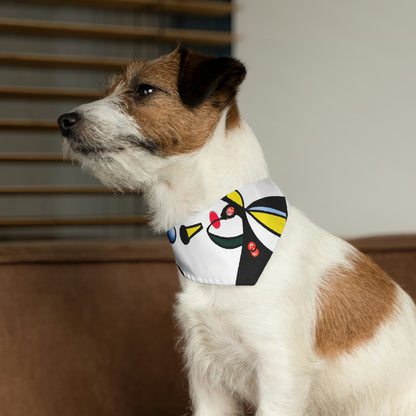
67 121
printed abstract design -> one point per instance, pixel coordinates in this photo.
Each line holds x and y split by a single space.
270 212
245 234
187 233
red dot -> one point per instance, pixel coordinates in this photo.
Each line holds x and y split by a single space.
230 211
213 218
255 253
251 245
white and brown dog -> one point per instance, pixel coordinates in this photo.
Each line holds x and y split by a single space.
324 331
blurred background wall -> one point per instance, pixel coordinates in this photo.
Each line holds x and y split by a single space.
331 95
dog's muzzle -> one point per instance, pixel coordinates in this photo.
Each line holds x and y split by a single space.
67 123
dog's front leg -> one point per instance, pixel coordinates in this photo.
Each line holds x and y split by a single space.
210 400
283 386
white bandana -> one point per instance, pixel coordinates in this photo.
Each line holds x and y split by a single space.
231 242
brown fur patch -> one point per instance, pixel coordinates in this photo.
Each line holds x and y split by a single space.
162 117
353 303
233 116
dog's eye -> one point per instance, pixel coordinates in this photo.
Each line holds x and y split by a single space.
143 90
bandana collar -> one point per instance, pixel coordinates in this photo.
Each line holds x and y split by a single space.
231 242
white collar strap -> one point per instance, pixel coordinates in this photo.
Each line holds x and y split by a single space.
231 242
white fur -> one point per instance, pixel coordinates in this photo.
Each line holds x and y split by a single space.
257 343
107 124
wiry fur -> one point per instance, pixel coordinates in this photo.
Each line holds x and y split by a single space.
259 344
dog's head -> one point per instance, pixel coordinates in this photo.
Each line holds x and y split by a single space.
152 112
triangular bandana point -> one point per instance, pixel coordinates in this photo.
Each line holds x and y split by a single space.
231 242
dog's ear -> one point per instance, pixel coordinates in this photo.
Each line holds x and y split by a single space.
202 77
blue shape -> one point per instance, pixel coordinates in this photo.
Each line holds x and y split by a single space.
172 235
269 210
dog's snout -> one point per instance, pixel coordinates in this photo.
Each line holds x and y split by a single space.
67 121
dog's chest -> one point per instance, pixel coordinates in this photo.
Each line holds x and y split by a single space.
215 342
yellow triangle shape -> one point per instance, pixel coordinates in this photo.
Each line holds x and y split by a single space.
193 229
235 197
270 221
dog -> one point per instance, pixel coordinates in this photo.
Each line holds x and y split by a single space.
323 330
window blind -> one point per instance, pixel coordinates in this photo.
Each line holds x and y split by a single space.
55 55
